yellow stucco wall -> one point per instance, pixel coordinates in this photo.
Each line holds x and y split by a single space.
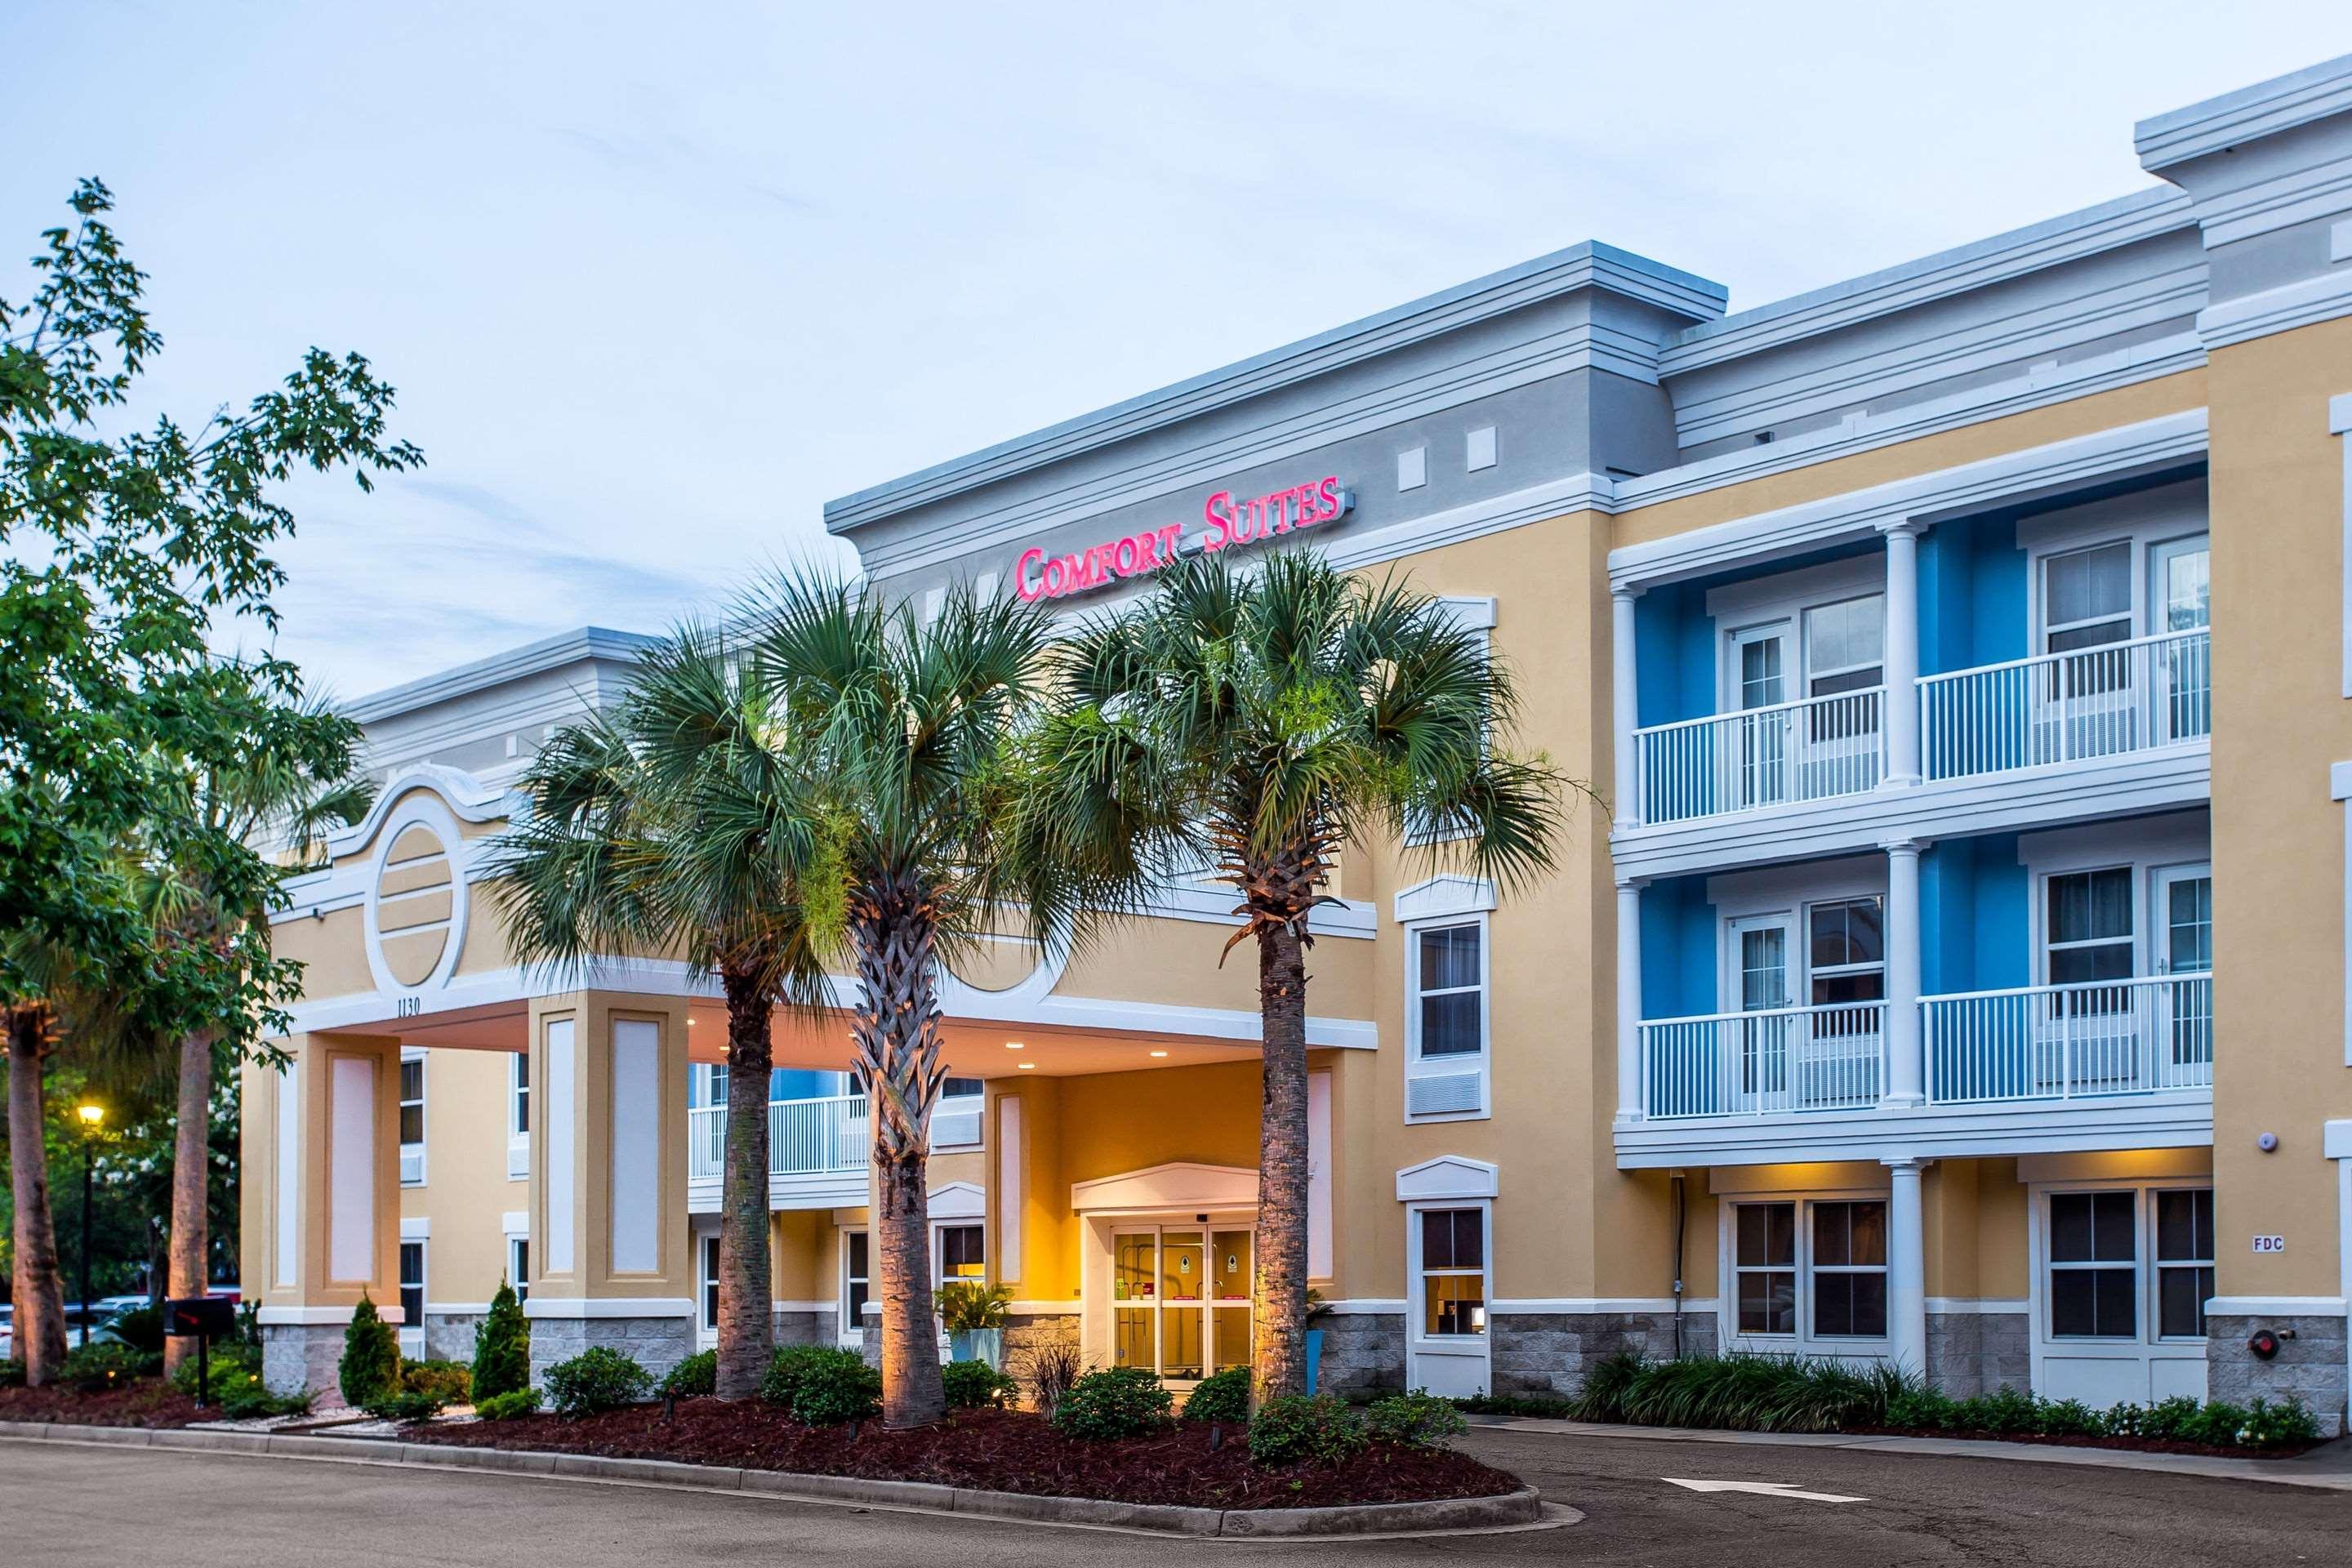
467 1192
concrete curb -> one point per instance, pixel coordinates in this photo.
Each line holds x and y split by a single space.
2278 1472
1519 1511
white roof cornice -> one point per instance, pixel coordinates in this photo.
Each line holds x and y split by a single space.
2263 109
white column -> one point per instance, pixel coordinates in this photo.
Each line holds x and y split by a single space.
1906 1073
1629 1002
1906 1266
1902 655
1625 704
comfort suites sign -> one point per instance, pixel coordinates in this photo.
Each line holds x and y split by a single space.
1039 575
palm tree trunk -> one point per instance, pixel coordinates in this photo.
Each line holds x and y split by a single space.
1278 1299
896 1033
191 1182
40 1323
747 1332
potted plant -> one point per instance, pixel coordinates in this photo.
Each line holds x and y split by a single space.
1318 1309
974 1316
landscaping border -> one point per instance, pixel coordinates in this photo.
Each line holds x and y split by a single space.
1520 1511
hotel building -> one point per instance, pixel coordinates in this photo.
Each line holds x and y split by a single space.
1953 972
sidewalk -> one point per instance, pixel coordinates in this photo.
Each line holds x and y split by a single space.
2327 1467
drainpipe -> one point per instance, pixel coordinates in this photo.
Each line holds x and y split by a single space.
1677 1180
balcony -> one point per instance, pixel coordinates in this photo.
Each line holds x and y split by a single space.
2122 1063
818 1149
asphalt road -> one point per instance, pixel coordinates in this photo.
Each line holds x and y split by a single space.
63 1506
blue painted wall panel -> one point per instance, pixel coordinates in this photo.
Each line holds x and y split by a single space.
1678 949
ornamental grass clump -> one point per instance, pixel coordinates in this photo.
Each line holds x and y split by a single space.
1116 1402
370 1369
501 1347
1294 1428
598 1378
1220 1397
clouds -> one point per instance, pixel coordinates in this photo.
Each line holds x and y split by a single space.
655 284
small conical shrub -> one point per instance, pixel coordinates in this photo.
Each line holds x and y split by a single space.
371 1364
501 1347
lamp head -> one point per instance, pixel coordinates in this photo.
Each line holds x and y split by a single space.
91 1115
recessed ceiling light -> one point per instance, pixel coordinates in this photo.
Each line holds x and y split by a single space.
1027 1066
1159 1053
1016 1045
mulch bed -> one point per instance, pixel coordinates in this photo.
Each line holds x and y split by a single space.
999 1450
144 1402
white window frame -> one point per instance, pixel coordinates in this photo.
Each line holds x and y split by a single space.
2146 1345
1481 1061
850 1326
412 1332
412 1154
1743 610
939 1227
1473 613
1420 1273
1804 1342
519 1116
1206 1305
518 1266
1808 672
706 1285
2148 849
2143 521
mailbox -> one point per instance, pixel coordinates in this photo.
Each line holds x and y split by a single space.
201 1316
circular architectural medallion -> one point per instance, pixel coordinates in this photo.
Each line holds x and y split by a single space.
416 904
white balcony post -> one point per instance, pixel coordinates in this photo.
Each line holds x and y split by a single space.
1625 705
1906 1266
1905 1072
1902 664
1629 1002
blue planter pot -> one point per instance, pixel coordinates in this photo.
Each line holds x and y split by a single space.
978 1344
1314 1358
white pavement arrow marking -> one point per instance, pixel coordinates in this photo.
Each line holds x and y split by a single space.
1761 1489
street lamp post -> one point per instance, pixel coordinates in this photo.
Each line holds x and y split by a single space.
91 1116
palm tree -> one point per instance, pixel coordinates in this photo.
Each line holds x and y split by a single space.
257 769
902 724
1253 724
675 824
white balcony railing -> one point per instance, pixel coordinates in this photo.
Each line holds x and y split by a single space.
2067 1042
1752 1063
1811 750
2068 707
806 1137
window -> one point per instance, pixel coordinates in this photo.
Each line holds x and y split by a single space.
1849 1270
412 1120
1848 952
1811 1270
714 1085
519 1097
1765 1260
2089 932
2094 1265
955 1087
1452 1272
2086 597
518 1266
854 1282
412 1285
962 1254
2184 1261
1845 646
1450 1004
711 1281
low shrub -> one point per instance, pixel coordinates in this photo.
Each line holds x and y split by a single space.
229 1364
12 1372
1051 1371
141 1328
2268 1426
102 1365
408 1404
818 1386
506 1406
972 1385
249 1400
598 1378
370 1365
697 1374
1415 1420
1295 1428
501 1347
1220 1397
451 1381
1116 1402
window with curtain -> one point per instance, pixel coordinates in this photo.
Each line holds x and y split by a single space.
1452 1272
2087 598
2089 926
1450 1001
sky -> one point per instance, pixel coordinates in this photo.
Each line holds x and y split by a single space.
656 281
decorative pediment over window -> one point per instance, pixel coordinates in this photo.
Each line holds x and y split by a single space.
1440 897
1447 1176
959 1200
1181 1185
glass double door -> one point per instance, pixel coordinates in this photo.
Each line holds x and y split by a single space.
1182 1298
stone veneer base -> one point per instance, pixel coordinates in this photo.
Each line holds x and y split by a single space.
301 1357
2309 1367
658 1344
1971 1354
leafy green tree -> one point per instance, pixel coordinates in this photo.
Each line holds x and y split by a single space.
675 824
122 552
501 1347
1252 724
899 725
